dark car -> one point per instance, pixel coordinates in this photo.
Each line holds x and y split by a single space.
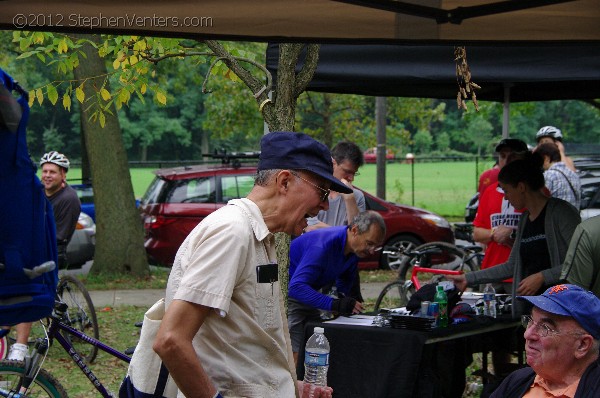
179 198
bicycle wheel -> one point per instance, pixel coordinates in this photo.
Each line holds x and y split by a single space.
395 295
440 255
81 314
44 385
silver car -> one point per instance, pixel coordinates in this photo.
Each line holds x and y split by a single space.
81 247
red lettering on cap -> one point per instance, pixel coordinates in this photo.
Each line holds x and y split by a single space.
558 289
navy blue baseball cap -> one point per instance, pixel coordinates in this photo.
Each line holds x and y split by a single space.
298 151
572 301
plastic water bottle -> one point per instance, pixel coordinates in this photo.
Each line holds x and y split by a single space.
333 293
316 359
489 300
442 299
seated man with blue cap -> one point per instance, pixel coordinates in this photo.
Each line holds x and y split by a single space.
561 343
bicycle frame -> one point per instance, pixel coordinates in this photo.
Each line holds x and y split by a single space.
416 270
57 330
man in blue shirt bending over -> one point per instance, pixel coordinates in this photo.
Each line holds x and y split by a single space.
325 256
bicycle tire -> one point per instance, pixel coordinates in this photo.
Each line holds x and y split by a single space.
394 295
44 385
81 314
446 249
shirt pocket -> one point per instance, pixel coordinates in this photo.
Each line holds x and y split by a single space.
266 306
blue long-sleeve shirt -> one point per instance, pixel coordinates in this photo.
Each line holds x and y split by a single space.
316 260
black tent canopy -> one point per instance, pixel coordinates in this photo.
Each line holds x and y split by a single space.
530 73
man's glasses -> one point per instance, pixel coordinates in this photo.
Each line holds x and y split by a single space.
324 192
542 328
350 172
373 247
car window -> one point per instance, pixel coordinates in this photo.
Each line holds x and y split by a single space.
85 194
370 204
194 190
589 197
153 192
234 187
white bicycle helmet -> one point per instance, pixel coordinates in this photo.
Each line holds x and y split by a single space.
57 158
549 131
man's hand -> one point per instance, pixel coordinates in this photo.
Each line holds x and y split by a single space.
346 306
501 235
318 391
460 281
349 185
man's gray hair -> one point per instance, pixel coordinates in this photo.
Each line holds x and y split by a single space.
263 177
364 220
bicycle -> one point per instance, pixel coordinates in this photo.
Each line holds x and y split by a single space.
80 315
28 378
435 259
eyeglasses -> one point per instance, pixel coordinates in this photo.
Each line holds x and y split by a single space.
372 246
350 172
542 328
324 192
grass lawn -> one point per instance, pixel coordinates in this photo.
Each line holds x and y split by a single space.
441 187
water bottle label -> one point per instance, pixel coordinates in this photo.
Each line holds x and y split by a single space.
316 359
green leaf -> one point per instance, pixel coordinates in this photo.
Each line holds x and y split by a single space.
161 97
80 94
67 102
41 57
39 95
102 119
52 94
105 94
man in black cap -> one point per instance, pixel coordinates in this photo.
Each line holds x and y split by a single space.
561 343
224 332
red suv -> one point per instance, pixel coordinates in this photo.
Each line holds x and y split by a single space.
179 198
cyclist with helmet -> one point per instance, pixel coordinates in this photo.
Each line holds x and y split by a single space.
551 134
66 208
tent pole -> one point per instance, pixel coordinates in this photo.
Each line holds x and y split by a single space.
380 117
506 111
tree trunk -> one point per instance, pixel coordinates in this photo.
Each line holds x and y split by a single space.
119 232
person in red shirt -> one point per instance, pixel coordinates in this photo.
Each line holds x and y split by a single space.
488 177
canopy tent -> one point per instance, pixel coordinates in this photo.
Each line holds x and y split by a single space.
373 21
531 73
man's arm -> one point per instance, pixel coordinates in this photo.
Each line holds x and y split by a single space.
578 267
173 344
354 204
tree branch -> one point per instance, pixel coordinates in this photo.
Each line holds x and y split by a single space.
308 70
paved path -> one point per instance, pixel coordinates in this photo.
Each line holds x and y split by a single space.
147 297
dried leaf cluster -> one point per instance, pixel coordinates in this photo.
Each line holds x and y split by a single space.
466 88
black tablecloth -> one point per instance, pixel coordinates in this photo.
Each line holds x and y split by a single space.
373 362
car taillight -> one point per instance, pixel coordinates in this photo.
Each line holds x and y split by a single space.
154 222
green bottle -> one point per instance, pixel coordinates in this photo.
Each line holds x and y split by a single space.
442 299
